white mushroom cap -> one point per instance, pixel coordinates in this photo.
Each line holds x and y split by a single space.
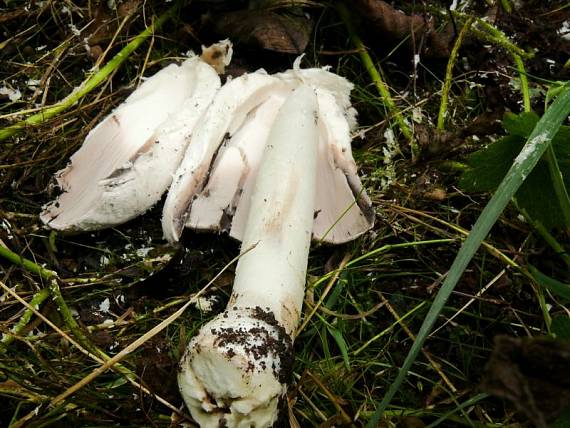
227 114
126 162
221 182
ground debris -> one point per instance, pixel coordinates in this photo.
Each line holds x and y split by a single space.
392 23
266 29
532 373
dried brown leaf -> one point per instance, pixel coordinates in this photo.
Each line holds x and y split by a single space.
388 22
532 373
267 30
106 22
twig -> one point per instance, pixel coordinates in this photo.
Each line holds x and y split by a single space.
376 77
449 74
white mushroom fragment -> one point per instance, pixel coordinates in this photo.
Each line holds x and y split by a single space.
213 185
236 369
127 161
229 112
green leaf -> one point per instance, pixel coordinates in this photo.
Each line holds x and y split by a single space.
554 90
561 327
488 166
536 195
521 124
551 284
339 339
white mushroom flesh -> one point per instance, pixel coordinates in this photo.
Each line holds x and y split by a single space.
343 210
235 370
223 119
221 200
224 201
126 162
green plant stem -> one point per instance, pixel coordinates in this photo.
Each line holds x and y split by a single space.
506 4
36 301
558 184
449 74
378 81
539 290
531 153
468 403
451 165
69 321
91 82
28 265
524 82
485 31
54 291
547 236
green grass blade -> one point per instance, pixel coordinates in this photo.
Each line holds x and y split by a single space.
341 343
472 401
557 287
91 82
536 145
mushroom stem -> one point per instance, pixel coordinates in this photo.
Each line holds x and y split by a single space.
236 369
281 215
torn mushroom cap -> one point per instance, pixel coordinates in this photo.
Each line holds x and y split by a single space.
127 161
227 115
213 191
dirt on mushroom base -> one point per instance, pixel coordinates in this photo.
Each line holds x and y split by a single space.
260 344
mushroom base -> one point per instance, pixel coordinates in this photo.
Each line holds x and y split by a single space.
235 371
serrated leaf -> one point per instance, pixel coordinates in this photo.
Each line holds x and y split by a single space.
520 124
556 287
489 165
536 195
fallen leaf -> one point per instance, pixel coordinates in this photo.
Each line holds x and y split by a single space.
106 22
532 373
266 29
386 21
